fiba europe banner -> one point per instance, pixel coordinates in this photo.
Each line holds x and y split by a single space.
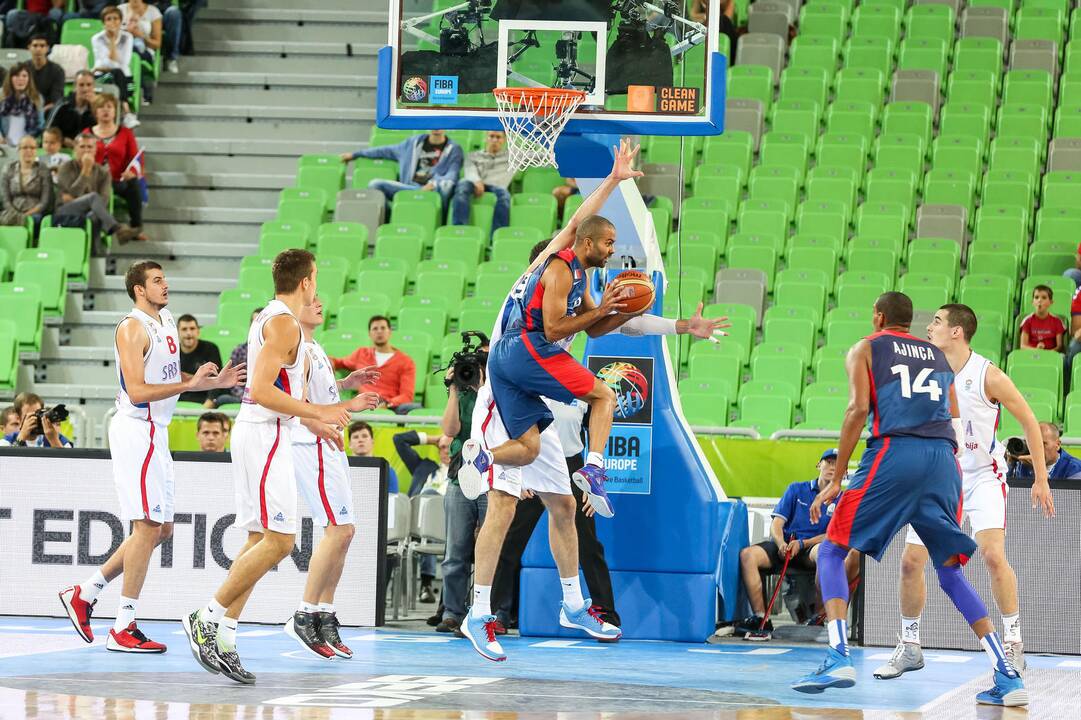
59 520
628 457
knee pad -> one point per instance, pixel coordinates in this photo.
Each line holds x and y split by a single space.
961 593
832 580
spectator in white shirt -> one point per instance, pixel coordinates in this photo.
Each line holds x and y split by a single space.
144 22
113 48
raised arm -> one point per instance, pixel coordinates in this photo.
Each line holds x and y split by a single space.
557 282
999 388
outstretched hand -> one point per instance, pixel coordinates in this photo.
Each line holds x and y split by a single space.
623 166
232 375
358 378
705 328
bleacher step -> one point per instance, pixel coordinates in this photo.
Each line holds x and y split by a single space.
208 134
254 215
217 76
221 240
258 96
325 66
257 113
182 145
59 392
307 14
281 48
364 32
220 181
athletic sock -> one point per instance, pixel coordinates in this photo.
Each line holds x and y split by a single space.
306 607
92 587
325 607
992 645
572 593
1011 625
595 458
910 629
213 612
125 614
482 601
838 633
227 634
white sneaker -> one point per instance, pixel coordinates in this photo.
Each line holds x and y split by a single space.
473 474
906 658
172 66
130 121
1015 653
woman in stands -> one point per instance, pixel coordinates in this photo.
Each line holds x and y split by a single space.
117 149
143 21
20 108
113 47
26 186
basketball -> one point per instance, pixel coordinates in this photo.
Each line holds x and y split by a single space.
642 291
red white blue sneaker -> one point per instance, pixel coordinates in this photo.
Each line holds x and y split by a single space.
835 671
79 611
1007 692
589 620
473 475
590 480
481 632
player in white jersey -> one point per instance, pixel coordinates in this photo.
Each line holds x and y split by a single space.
982 390
547 475
323 478
148 370
262 459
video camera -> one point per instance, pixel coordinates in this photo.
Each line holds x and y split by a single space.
56 415
468 363
1016 447
456 39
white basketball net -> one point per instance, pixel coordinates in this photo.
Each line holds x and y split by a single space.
533 122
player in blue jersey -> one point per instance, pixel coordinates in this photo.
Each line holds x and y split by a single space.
908 475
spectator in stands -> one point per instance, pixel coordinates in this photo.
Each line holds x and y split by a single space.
239 355
52 145
429 161
48 76
212 430
117 150
35 431
1061 465
486 170
83 188
20 108
1040 329
19 25
397 371
564 191
726 22
1074 273
112 48
88 9
76 113
428 477
173 30
27 187
193 353
10 422
362 444
144 22
791 534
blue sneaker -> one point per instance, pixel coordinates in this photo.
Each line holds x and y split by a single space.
1007 692
835 671
590 480
473 475
589 621
481 632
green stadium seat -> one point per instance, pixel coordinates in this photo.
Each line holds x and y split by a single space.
44 268
886 220
1055 223
867 50
710 361
957 153
764 218
965 120
1001 187
935 256
928 291
699 216
272 243
805 83
829 363
785 149
461 242
75 246
446 288
904 153
13 239
343 239
779 368
705 408
776 242
9 355
846 325
815 51
976 86
415 211
753 82
330 179
224 338
802 332
722 181
388 281
860 84
734 146
818 258
1035 87
365 171
978 53
541 180
823 20
823 413
860 289
236 305
951 187
824 389
852 117
1061 189
392 244
764 414
302 233
22 306
924 53
418 319
833 184
930 21
864 257
794 292
908 118
1051 258
841 150
1062 288
823 218
800 117
1025 121
802 240
307 211
774 183
80 31
1039 23
1001 224
1068 114
771 388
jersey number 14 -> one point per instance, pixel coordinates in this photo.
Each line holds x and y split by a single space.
932 388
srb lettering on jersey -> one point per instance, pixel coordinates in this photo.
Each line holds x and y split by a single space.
170 371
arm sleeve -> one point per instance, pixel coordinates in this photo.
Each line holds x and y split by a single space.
453 166
469 171
406 383
56 89
124 51
383 152
346 363
45 198
392 481
403 443
783 509
648 325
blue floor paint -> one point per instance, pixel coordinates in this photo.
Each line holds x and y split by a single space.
761 671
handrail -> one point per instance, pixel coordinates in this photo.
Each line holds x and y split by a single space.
812 435
726 431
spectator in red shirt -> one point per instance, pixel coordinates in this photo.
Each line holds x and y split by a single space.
117 147
1074 273
1041 329
397 371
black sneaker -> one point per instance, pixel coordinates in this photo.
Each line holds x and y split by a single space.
434 620
229 664
328 631
304 628
426 594
203 640
448 625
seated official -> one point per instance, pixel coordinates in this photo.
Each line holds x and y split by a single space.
1061 465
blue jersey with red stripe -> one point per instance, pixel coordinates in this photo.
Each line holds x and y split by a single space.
527 314
910 388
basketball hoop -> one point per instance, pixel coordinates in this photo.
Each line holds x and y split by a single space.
533 119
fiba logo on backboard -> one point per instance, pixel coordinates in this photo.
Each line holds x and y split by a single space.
415 89
630 380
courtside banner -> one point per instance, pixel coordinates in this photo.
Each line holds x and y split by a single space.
59 521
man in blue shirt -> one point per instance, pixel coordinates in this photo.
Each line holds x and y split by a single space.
791 533
1061 465
428 161
34 432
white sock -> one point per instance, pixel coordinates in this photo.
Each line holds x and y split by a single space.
213 612
1011 626
910 629
838 632
125 614
992 645
325 607
572 593
306 607
595 458
482 601
92 587
227 633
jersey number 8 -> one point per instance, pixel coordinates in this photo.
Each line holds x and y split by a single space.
932 388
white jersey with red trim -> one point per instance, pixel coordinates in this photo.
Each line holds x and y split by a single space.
322 386
983 452
161 366
290 377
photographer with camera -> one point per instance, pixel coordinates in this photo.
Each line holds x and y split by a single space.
1061 465
38 426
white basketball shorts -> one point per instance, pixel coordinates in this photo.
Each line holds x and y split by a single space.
265 484
142 468
548 473
984 503
324 482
